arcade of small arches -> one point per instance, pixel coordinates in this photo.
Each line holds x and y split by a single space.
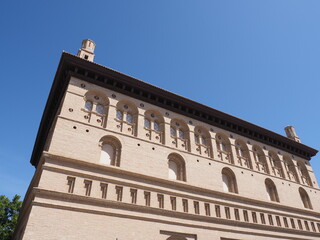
111 152
198 141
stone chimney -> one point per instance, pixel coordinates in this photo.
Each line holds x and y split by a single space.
291 133
87 50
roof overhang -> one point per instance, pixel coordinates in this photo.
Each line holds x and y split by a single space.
71 65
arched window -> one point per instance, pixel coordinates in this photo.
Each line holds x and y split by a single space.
110 151
271 189
276 164
203 141
260 159
224 148
95 107
179 133
304 174
176 167
290 168
243 154
229 181
154 126
127 117
305 198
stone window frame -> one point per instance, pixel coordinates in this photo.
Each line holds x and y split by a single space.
116 145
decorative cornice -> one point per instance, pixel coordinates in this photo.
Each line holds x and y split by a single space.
71 65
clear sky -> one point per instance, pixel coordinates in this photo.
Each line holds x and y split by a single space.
257 60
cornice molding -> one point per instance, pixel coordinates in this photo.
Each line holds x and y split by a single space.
71 65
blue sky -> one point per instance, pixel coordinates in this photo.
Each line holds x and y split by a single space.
257 60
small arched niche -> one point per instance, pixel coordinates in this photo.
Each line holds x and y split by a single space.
176 167
229 182
271 189
179 133
110 151
154 126
203 141
305 198
290 168
304 174
127 117
224 148
96 107
243 154
260 159
276 166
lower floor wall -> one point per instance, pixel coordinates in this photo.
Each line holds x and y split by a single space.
53 222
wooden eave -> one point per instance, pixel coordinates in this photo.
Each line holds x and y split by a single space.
71 65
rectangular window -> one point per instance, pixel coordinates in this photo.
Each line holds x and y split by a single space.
173 201
119 191
147 198
293 225
207 209
270 219
278 221
307 225
236 214
254 217
285 222
185 205
245 216
300 225
161 200
313 227
218 213
227 210
196 207
71 183
87 187
133 194
318 224
104 188
263 220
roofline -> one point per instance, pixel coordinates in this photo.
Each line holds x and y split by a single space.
71 65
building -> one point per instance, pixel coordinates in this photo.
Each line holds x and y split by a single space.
119 159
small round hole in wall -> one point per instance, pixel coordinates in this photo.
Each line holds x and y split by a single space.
167 114
153 148
248 142
279 152
251 175
98 120
83 85
242 172
87 130
211 129
86 116
264 147
96 97
74 127
197 160
138 144
231 136
289 184
141 105
210 163
125 106
70 110
113 95
152 115
282 183
190 122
